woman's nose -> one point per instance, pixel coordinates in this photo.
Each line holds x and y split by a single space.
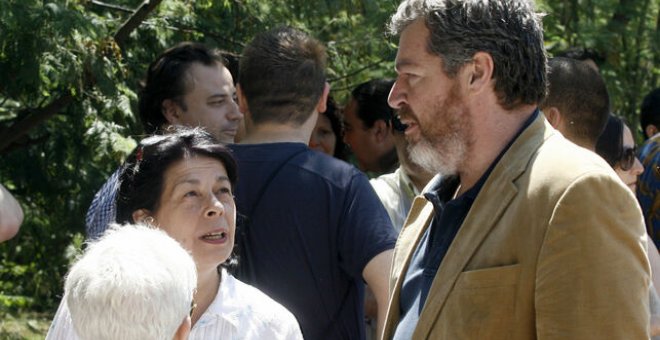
215 208
638 168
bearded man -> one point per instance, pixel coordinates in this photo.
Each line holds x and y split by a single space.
522 234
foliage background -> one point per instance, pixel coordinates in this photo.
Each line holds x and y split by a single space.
69 76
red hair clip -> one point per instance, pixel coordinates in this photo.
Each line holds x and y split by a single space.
138 154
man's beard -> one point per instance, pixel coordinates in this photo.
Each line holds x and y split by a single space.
444 141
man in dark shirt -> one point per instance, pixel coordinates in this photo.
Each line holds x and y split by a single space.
506 242
577 103
315 231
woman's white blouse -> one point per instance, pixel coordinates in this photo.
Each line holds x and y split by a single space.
239 311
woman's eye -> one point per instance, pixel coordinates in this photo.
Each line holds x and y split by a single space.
223 192
191 194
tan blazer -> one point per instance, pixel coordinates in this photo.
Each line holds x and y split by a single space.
554 247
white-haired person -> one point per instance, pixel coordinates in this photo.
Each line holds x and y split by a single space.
134 283
182 183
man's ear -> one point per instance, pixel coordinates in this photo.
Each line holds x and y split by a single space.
480 71
171 111
650 130
381 130
242 101
553 116
184 329
141 215
321 105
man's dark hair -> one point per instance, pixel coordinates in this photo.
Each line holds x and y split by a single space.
371 98
583 54
167 79
650 111
282 76
509 30
580 94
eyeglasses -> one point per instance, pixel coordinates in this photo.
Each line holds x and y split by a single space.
193 305
627 158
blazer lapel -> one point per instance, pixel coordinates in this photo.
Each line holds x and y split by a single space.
418 220
491 202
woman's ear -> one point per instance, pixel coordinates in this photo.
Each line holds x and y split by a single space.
142 216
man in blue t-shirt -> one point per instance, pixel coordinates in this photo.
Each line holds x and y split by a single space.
315 229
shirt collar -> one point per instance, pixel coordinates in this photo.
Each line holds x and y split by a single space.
225 305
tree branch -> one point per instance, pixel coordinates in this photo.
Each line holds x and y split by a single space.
111 6
357 71
33 117
134 21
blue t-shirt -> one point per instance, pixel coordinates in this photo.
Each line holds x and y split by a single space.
317 226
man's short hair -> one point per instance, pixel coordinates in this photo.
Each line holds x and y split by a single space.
167 78
509 30
135 282
583 54
650 111
580 94
371 98
282 76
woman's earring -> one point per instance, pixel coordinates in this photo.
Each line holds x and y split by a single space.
148 220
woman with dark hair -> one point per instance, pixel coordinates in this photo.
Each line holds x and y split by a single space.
327 136
617 146
182 183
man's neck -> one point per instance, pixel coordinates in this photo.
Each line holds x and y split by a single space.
276 133
491 136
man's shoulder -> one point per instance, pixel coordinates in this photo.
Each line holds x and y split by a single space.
650 150
558 164
311 163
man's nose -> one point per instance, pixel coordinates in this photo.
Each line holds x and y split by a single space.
396 97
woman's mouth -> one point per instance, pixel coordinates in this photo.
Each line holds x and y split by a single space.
217 237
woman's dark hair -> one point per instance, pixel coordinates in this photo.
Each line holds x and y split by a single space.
143 172
610 143
332 113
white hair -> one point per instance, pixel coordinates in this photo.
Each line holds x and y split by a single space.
135 282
